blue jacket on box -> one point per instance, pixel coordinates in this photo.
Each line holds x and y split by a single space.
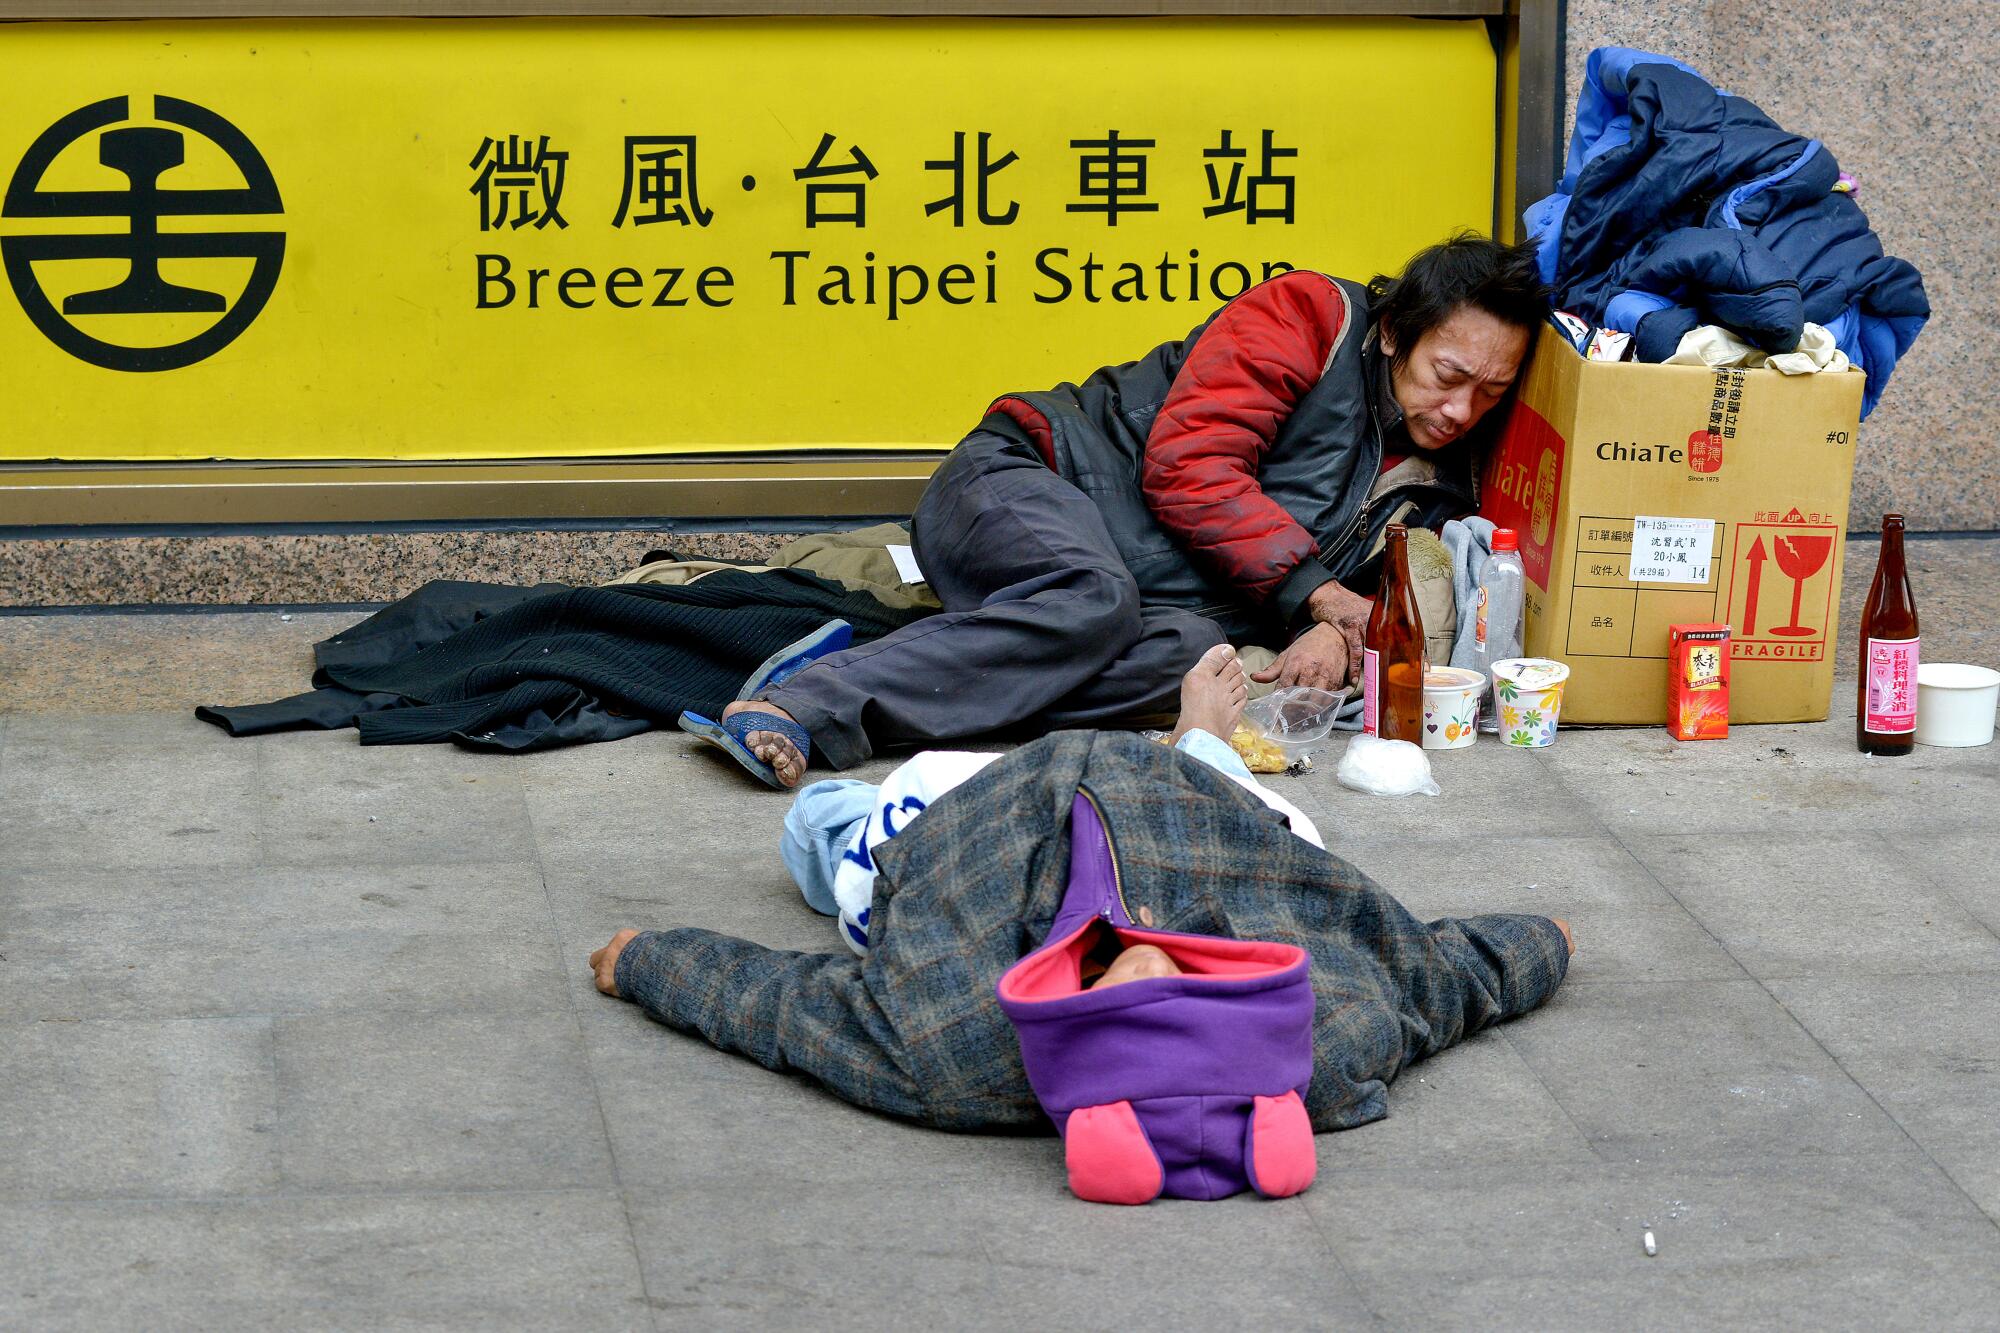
1681 206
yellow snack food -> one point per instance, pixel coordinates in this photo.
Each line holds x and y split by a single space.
1260 754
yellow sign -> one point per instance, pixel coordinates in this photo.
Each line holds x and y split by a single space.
437 240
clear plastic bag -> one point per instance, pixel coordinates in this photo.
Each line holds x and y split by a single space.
1386 768
1296 718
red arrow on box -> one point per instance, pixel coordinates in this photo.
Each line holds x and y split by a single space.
1756 559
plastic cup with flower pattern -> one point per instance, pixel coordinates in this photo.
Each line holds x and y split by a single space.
1451 707
1529 693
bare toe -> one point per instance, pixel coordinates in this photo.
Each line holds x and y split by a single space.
779 752
1217 660
1213 693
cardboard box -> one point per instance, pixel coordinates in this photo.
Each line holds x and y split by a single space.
1648 496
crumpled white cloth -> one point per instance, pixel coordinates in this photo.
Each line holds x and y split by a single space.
1713 346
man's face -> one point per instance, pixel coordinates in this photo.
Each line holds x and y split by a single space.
1455 374
1136 964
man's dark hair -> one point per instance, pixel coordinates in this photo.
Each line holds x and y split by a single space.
1503 280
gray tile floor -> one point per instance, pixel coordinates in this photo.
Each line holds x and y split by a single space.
296 1033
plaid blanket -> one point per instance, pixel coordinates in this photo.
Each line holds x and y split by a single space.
975 881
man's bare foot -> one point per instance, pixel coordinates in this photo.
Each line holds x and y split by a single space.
1213 694
1568 938
783 757
604 962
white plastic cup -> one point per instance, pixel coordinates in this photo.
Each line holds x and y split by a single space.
1452 696
1529 692
1955 704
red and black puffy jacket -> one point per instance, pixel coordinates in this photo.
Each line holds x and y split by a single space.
1233 467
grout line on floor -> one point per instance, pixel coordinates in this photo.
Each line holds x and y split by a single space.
1361 1289
1934 881
1568 1118
590 1067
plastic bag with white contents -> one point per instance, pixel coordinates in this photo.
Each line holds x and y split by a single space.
1386 768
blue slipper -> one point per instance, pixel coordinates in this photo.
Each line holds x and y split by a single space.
728 736
796 656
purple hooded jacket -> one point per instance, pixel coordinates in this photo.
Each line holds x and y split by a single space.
1189 1085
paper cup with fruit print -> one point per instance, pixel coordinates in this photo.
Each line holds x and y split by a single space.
1529 692
1451 707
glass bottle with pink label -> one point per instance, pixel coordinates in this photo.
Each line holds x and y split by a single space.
1886 721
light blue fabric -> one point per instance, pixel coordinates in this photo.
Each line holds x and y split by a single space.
1873 340
1884 339
1846 331
1544 222
818 828
1629 307
1470 544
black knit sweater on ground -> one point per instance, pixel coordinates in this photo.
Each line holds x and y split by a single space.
529 668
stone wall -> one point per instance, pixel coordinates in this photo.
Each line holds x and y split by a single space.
1903 94
283 568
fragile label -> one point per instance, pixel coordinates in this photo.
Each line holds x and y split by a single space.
1671 550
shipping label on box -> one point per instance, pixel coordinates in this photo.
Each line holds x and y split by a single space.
1671 550
1619 607
1648 496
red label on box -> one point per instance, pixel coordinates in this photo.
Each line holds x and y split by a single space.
1781 589
1705 451
1522 484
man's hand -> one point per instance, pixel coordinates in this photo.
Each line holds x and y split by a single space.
1331 604
1328 655
605 961
1319 657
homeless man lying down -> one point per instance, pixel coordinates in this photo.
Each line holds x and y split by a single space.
1179 969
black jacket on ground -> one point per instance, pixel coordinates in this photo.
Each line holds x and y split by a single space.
494 667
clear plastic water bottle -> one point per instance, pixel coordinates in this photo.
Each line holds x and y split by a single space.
1496 634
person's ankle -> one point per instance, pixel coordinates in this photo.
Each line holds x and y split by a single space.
756 706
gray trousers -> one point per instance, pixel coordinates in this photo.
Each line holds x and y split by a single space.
1041 622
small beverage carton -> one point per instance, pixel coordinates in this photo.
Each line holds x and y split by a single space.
1698 682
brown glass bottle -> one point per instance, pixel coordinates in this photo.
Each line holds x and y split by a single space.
1886 709
1392 675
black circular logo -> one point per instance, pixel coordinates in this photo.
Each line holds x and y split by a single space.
142 153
